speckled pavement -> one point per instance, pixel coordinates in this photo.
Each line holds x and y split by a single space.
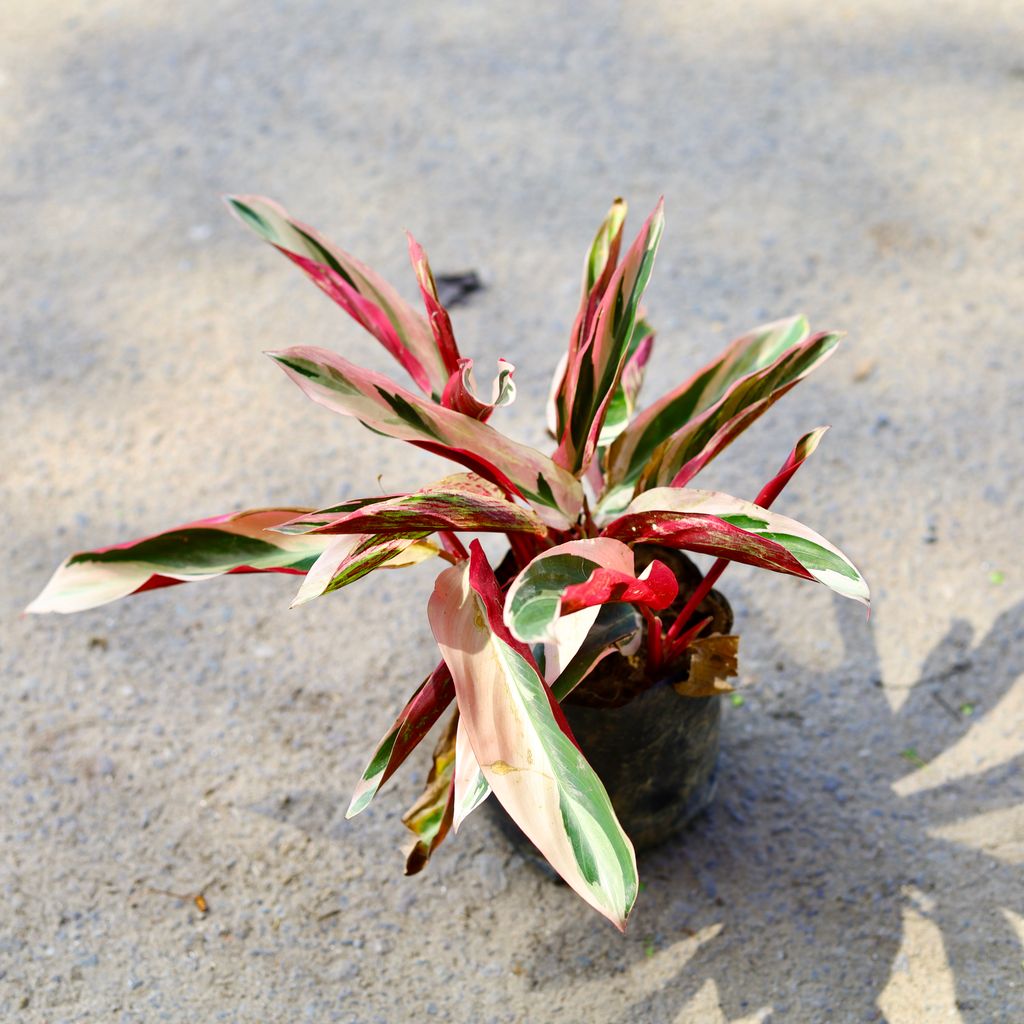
860 162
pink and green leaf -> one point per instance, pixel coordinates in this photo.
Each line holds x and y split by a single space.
802 450
594 370
578 575
437 315
241 542
601 259
430 817
350 557
691 449
752 372
360 291
463 501
623 403
524 746
727 527
423 709
389 409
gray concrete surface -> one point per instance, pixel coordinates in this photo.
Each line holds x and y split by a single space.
857 161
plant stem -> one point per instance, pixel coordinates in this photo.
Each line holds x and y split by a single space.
654 646
702 591
453 545
675 650
521 548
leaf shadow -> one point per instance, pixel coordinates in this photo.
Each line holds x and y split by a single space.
806 857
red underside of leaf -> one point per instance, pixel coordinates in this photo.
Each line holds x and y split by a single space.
608 586
458 397
471 461
440 322
419 715
708 535
157 582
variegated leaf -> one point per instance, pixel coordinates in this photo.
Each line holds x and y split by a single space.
463 501
581 574
598 267
623 404
727 527
523 744
766 359
688 451
593 372
460 392
430 817
440 322
241 542
350 557
360 291
471 788
383 406
554 409
423 709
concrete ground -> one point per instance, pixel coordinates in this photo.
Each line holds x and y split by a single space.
859 161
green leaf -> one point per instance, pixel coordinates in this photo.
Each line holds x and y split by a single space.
730 392
360 291
241 542
384 406
350 557
596 365
727 527
523 745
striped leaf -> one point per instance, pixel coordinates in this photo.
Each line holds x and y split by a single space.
360 291
623 404
423 709
718 524
437 315
463 501
581 574
240 542
593 372
686 453
598 267
389 409
350 557
689 425
523 744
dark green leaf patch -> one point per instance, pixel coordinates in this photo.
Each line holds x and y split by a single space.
195 550
408 414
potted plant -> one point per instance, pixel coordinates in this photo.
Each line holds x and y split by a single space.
593 602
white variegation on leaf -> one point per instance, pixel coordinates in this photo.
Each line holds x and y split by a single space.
524 751
471 787
820 559
349 557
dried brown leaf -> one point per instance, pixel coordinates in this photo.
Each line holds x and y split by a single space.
712 662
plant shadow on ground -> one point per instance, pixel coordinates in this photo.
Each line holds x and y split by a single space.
809 856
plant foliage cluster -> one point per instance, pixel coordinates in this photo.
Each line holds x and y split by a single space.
516 637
